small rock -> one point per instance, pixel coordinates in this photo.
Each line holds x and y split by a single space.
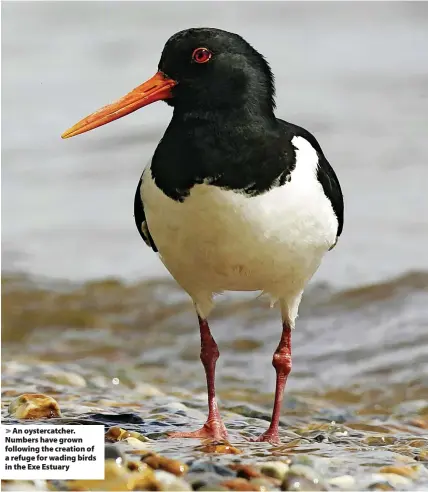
274 469
421 423
99 381
200 480
114 453
304 459
212 488
146 389
343 482
118 477
200 466
136 443
170 482
136 466
379 440
305 471
158 462
67 379
381 486
394 479
300 483
34 406
404 471
245 471
239 484
423 455
116 433
218 448
262 484
419 443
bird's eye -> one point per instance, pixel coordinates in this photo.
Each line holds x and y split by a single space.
201 55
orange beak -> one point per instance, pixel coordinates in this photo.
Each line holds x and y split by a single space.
155 89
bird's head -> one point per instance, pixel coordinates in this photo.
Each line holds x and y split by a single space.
200 69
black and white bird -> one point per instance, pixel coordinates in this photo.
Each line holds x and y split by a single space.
233 199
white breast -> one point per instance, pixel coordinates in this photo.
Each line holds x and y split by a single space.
219 240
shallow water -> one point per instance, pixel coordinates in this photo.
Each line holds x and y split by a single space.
357 399
356 75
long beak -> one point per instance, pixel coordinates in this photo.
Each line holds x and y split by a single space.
157 88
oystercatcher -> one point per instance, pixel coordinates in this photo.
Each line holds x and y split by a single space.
233 199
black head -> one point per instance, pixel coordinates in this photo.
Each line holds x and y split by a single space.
200 70
216 69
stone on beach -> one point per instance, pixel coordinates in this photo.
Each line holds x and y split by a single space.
34 406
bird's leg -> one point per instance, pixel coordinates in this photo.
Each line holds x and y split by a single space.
282 363
214 427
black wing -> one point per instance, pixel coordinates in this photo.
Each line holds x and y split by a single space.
325 174
140 219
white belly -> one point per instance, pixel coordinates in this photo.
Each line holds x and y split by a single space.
218 240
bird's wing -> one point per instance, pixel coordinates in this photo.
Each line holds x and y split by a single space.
325 174
140 219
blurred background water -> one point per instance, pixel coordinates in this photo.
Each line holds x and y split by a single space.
354 73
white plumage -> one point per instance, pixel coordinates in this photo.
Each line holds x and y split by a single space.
219 240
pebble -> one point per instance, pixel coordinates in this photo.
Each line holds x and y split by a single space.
419 443
275 469
394 479
218 448
212 488
113 453
343 482
136 443
305 471
239 484
381 486
67 379
300 483
379 440
304 459
423 455
199 466
146 389
404 471
34 406
170 482
158 462
116 433
245 471
118 477
200 480
421 422
263 484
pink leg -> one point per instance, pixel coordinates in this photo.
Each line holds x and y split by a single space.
282 364
214 427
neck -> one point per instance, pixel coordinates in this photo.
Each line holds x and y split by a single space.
245 116
224 149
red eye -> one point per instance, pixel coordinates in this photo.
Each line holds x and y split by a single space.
201 55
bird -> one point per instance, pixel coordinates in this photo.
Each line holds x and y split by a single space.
233 198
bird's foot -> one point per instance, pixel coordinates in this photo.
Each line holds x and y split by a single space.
268 436
213 429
